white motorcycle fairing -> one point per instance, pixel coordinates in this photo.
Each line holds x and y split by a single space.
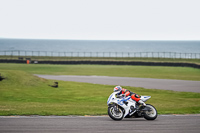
145 98
125 103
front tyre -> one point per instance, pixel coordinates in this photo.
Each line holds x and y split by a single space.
151 114
115 114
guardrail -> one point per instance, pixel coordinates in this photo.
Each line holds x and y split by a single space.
135 63
101 54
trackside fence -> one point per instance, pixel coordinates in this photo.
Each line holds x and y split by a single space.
173 55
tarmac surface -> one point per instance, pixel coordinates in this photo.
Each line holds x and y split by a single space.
164 84
99 124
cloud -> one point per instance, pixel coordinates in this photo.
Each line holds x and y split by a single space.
100 19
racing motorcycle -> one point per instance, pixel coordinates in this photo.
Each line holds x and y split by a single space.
120 107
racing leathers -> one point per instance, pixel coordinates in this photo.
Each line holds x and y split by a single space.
134 96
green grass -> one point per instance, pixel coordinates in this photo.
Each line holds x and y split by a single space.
181 73
21 93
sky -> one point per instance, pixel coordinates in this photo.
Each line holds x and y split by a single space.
100 19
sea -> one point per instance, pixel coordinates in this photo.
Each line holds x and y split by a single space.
99 46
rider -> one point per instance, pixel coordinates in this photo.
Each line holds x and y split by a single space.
125 92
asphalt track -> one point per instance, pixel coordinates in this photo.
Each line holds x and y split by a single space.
99 124
164 84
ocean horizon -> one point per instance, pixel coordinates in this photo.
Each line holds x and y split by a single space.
57 45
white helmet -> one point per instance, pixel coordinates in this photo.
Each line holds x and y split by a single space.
117 88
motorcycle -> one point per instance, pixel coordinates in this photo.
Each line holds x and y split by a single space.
120 107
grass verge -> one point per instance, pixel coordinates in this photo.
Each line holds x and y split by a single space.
21 93
181 73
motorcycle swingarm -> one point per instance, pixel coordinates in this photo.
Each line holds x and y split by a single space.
146 109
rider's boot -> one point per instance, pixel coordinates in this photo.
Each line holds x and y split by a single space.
142 103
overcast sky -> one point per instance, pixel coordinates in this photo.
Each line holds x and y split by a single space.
101 19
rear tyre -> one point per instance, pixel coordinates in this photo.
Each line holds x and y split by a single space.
115 115
152 114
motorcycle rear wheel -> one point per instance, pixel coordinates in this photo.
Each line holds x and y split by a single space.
115 115
150 115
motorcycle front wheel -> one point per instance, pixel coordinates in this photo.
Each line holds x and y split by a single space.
115 114
151 114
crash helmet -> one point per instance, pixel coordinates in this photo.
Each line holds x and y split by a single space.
117 88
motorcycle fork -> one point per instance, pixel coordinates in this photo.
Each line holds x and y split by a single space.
116 108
